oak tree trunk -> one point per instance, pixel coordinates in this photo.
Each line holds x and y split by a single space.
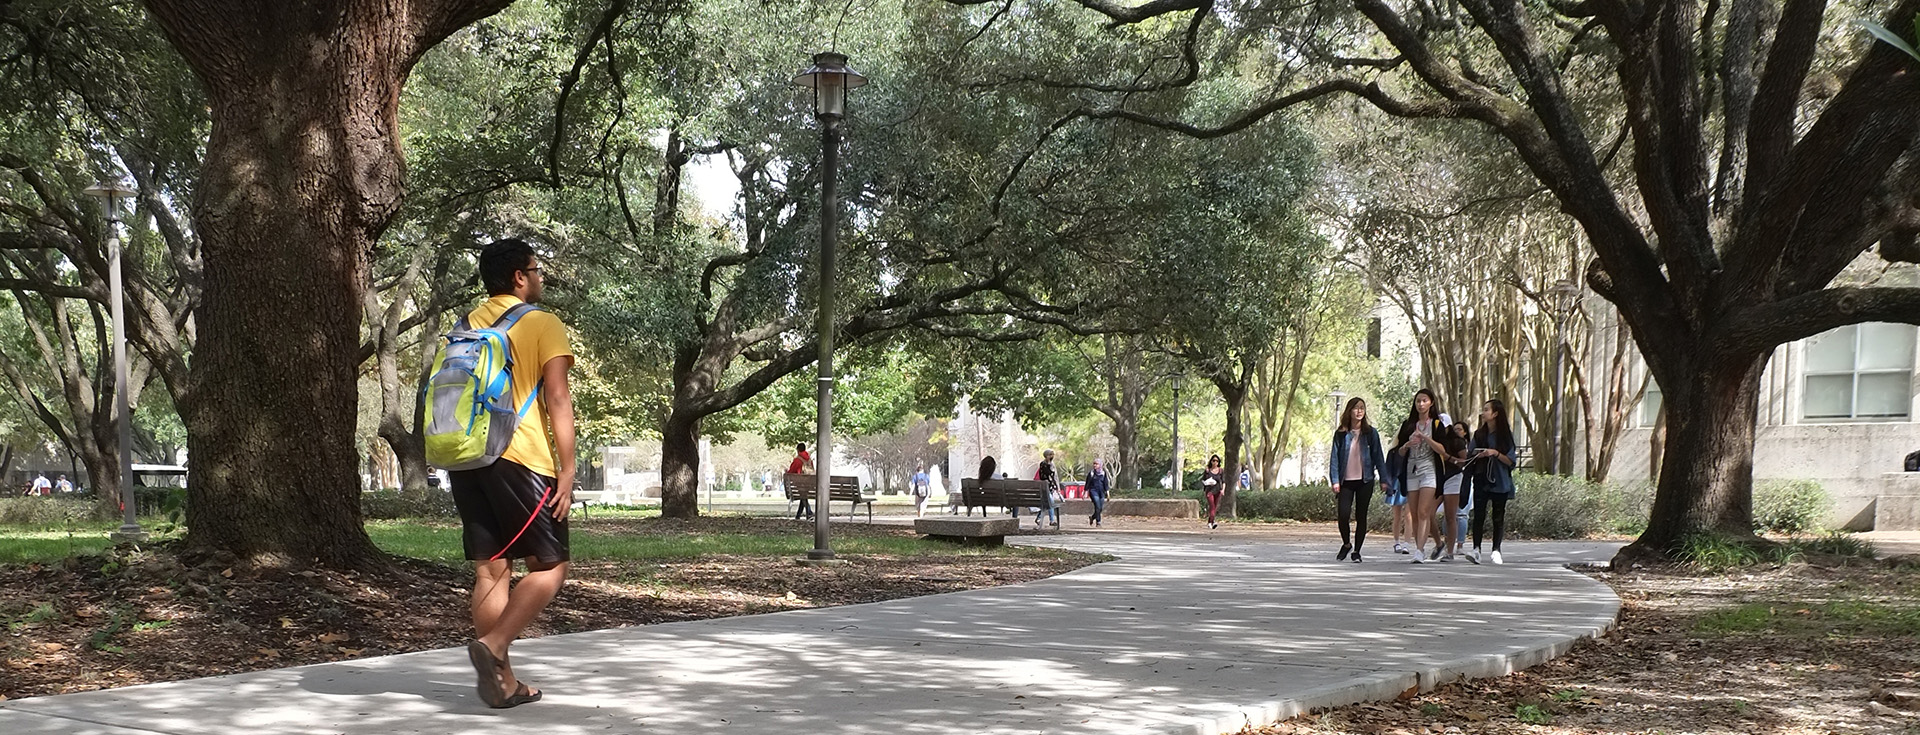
1706 470
302 173
1126 439
680 466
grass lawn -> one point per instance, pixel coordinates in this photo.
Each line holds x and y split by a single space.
611 534
610 539
19 545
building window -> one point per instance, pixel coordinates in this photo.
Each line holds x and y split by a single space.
1373 338
1648 414
1859 372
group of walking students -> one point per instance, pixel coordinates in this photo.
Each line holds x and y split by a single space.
1432 468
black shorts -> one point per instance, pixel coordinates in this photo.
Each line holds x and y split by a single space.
504 500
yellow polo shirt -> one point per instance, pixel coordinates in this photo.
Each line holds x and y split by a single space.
536 339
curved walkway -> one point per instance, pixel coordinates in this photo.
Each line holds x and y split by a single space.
1185 633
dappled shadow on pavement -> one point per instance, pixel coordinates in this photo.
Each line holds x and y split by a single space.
1182 628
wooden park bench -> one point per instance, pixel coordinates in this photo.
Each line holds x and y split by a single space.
1007 494
840 489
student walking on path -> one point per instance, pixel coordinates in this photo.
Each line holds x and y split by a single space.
1491 468
516 507
802 463
1213 483
1452 485
1097 485
922 489
1355 464
1419 442
1050 475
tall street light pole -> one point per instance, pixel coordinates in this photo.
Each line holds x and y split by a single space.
1564 296
110 194
829 78
1178 465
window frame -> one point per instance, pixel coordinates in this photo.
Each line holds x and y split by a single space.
1853 376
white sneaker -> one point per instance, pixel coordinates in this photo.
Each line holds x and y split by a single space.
1399 547
1496 557
1419 559
1474 555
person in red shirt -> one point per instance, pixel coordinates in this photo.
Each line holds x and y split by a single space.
802 462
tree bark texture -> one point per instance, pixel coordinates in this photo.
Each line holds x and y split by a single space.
302 173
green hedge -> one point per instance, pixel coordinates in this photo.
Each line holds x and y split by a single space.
45 512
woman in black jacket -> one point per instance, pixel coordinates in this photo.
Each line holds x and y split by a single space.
1213 482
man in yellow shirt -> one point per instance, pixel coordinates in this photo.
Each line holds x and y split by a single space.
516 508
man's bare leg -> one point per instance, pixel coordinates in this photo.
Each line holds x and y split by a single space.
492 581
528 598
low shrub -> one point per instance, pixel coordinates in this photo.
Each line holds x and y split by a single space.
1310 503
1792 507
1626 506
387 505
45 512
1713 552
1556 506
1839 543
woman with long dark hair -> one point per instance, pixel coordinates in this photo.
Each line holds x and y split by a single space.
1419 442
1491 467
1453 480
1213 482
1355 463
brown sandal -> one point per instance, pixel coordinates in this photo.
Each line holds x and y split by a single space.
488 669
523 696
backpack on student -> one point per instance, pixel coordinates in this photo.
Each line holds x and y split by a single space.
470 417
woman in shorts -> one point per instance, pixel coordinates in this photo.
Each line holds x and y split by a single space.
1419 442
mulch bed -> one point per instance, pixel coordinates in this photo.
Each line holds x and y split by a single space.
1836 650
158 615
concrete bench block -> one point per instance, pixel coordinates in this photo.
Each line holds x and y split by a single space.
971 531
1896 513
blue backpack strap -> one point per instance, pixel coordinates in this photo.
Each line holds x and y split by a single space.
512 316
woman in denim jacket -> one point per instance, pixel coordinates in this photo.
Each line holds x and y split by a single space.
1356 462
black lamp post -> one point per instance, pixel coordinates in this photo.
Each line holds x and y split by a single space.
829 78
1179 380
110 194
1563 297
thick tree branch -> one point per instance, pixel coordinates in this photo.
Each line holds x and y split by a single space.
1765 326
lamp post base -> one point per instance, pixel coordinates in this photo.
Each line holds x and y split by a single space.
130 533
821 558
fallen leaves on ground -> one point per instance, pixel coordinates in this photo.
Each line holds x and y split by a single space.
1792 650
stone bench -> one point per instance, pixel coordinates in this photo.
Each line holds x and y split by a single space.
967 531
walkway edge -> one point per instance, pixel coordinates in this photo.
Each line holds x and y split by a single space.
1389 685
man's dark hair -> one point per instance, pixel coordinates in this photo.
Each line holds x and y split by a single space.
499 260
802 447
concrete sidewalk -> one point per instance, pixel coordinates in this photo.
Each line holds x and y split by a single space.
1186 633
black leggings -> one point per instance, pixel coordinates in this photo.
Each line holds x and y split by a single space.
1352 493
1480 502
